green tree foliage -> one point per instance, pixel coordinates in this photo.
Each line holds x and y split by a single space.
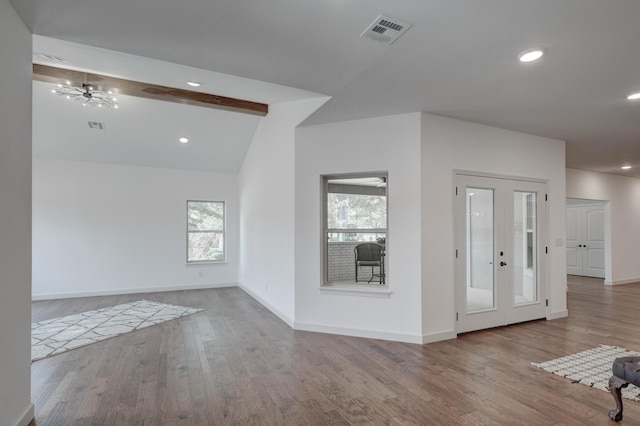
355 211
205 216
205 226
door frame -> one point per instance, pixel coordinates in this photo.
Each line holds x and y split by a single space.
606 205
543 238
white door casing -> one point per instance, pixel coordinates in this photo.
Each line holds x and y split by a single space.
500 251
585 240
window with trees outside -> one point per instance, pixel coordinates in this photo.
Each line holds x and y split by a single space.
355 212
205 231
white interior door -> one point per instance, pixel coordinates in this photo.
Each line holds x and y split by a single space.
585 241
499 252
573 241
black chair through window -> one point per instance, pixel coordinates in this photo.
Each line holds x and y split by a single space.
370 254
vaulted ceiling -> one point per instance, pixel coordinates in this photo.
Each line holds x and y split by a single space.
458 59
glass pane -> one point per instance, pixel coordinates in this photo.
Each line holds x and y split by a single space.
340 253
361 237
205 246
525 249
480 249
205 216
356 211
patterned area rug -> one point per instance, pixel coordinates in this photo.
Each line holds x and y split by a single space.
591 368
59 335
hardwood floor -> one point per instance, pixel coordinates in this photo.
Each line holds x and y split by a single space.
236 363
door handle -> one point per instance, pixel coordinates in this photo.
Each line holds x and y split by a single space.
503 263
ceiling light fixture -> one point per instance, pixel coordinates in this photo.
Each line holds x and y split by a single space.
194 83
87 95
625 167
531 55
183 140
634 96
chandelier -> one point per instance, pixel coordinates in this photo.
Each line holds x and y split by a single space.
87 95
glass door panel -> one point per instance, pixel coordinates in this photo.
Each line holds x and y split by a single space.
525 250
480 249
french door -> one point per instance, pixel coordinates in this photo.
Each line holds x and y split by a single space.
500 246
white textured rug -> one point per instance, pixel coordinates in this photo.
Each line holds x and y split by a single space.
591 368
59 335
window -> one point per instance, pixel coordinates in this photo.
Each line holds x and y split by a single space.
355 212
205 231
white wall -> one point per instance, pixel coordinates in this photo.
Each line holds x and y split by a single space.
449 145
108 229
267 208
390 144
622 226
15 219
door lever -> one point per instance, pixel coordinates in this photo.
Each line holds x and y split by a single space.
503 263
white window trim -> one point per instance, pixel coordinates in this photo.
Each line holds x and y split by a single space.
354 289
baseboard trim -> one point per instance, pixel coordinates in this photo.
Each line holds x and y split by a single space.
557 315
285 318
71 295
439 336
620 282
355 332
27 417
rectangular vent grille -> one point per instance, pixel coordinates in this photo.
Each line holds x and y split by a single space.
391 25
385 30
98 125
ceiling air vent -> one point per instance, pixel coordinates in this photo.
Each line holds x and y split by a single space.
385 30
98 125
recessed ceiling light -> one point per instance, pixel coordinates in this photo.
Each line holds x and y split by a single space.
183 140
634 96
530 55
625 167
194 83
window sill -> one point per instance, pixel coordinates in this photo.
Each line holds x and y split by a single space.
356 290
206 262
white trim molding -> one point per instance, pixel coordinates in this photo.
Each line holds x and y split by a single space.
27 417
557 315
620 282
71 295
269 306
354 332
356 290
439 336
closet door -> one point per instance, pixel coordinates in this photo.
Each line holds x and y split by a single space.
585 241
574 222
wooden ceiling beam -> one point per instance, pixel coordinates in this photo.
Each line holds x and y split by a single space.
145 90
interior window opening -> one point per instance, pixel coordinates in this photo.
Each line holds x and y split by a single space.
355 229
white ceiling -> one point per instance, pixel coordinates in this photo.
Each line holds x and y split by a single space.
458 59
144 132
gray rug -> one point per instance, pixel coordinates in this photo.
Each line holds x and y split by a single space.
591 368
59 335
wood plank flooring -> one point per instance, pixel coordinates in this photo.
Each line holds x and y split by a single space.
237 364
